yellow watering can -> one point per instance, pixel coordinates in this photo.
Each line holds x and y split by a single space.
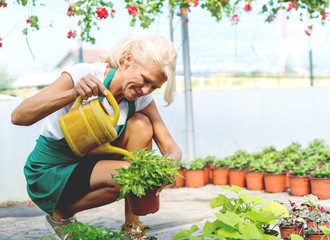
88 128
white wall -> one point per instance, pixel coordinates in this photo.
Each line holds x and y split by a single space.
224 121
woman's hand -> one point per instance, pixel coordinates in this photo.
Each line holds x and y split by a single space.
89 86
161 188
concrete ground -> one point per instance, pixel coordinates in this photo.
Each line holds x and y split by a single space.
180 208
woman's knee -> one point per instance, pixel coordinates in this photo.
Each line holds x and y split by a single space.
140 124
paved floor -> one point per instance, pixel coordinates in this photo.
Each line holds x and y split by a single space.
180 208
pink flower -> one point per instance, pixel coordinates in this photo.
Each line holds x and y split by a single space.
72 34
196 3
102 12
28 20
247 7
132 10
113 11
291 6
185 10
3 3
308 31
324 15
0 42
234 19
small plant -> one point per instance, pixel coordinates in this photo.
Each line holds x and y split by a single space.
303 168
256 164
238 218
221 162
196 164
276 168
146 171
239 160
322 172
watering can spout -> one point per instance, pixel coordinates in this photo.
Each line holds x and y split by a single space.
107 148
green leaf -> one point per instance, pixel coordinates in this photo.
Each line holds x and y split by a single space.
210 228
221 200
325 229
229 218
228 233
233 188
258 200
260 216
296 237
246 198
249 230
276 208
186 233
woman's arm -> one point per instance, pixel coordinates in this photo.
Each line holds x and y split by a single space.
54 97
162 136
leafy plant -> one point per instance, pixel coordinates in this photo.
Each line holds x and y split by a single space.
197 164
303 168
322 172
146 170
274 168
239 160
221 162
256 164
238 218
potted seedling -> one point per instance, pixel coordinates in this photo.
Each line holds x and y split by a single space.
146 173
236 164
291 225
320 181
195 173
209 164
274 174
220 171
299 179
253 172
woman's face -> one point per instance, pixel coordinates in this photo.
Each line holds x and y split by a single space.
139 81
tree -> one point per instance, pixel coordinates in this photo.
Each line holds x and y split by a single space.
91 12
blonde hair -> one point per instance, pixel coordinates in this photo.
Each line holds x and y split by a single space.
152 51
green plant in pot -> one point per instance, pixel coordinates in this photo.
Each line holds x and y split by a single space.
253 172
146 173
195 174
320 181
274 177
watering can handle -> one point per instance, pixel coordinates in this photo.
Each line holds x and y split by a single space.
112 101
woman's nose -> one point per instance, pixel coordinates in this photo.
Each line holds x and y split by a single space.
147 89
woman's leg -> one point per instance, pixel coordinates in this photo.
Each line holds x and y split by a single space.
138 134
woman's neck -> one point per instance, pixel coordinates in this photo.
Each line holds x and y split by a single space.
115 84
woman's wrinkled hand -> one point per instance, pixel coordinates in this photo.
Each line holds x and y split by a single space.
89 86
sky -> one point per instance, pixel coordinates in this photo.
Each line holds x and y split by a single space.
214 47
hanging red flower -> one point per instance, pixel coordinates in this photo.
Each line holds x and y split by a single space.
185 10
113 11
102 12
247 7
308 31
3 3
132 10
70 12
291 6
0 42
72 34
324 15
28 20
234 19
196 3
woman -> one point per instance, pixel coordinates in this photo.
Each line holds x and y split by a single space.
63 184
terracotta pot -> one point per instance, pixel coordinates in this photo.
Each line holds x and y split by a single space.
195 178
254 180
211 166
220 176
206 175
320 187
287 180
300 185
286 231
148 203
180 182
315 224
274 182
316 237
236 177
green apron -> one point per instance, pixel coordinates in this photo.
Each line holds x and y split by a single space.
51 163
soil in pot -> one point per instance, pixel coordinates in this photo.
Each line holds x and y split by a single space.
220 176
149 203
195 178
300 185
320 187
254 180
274 182
236 177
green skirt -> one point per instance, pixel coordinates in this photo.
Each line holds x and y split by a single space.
47 170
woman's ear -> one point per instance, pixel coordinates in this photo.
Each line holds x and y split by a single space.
128 60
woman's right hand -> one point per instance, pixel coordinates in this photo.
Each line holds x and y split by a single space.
89 86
